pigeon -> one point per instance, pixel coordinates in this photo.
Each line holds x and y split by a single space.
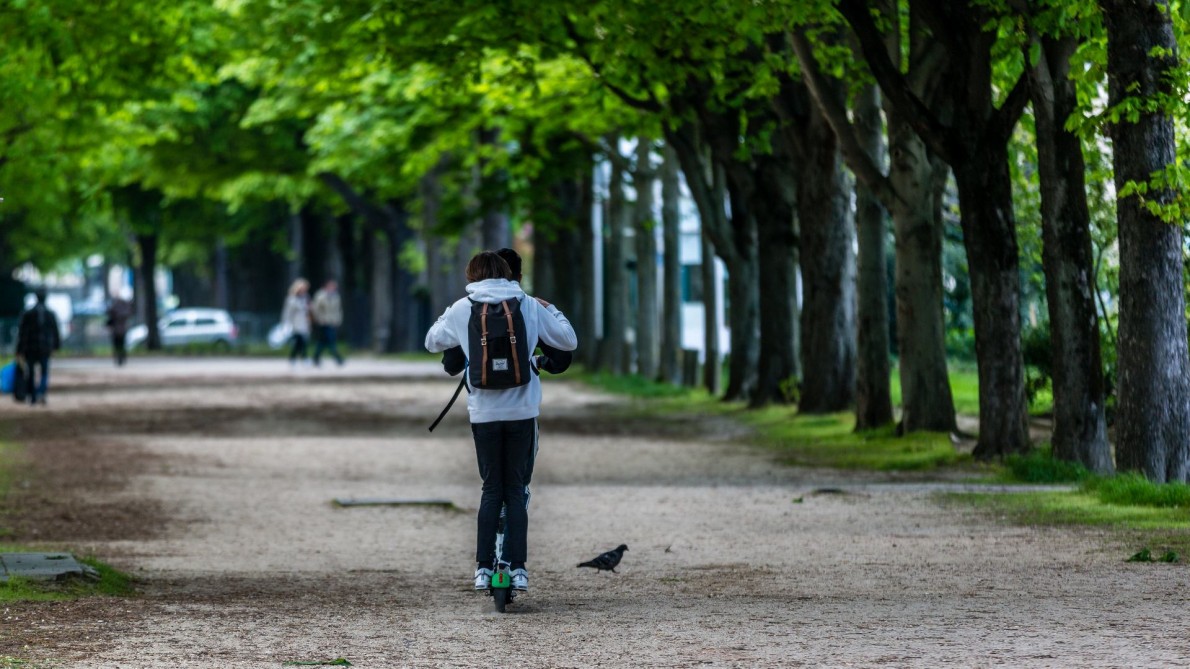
607 561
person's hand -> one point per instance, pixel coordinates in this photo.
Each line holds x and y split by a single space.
542 302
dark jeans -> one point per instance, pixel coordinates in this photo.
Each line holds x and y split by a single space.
327 342
38 390
298 349
119 350
504 451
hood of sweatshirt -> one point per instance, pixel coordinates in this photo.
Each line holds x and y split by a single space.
494 291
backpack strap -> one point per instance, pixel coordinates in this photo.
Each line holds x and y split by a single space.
462 384
516 362
483 343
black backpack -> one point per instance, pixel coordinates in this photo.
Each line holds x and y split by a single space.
499 350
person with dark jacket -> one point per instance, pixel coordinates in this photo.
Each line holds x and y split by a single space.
119 313
37 339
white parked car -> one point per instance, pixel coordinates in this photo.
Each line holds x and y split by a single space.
189 326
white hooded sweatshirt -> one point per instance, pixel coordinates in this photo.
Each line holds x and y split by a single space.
546 324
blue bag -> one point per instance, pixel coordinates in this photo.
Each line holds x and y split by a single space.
8 375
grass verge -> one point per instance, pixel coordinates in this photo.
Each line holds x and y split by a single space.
110 582
816 441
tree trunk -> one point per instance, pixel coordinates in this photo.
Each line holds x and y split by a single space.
383 259
614 344
406 331
589 238
1080 430
494 225
989 235
828 269
773 205
873 402
147 288
646 264
669 368
1153 411
712 359
926 399
297 246
743 288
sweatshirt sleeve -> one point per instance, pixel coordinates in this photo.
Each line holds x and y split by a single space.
441 336
555 330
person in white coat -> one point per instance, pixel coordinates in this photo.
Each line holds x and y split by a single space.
503 422
296 315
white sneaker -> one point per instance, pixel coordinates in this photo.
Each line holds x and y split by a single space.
483 578
520 579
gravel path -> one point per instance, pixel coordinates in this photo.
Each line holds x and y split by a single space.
221 506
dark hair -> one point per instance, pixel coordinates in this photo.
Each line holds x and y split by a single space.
514 261
39 294
487 265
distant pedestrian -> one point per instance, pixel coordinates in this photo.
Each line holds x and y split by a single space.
296 315
327 309
37 339
119 313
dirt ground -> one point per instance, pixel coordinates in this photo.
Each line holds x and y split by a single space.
211 481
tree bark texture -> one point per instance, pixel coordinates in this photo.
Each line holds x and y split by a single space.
1153 409
828 270
1080 428
645 240
926 399
669 363
773 206
873 400
989 235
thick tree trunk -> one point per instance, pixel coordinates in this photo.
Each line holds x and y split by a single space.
743 288
926 400
669 364
873 401
1153 411
147 285
613 345
1080 430
774 203
828 269
646 264
989 235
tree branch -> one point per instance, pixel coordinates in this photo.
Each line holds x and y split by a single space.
836 115
893 84
357 202
650 104
713 220
1004 119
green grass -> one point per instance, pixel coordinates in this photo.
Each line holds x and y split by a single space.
633 385
831 441
964 387
1149 516
1040 466
111 583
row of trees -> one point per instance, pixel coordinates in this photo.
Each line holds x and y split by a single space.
422 131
